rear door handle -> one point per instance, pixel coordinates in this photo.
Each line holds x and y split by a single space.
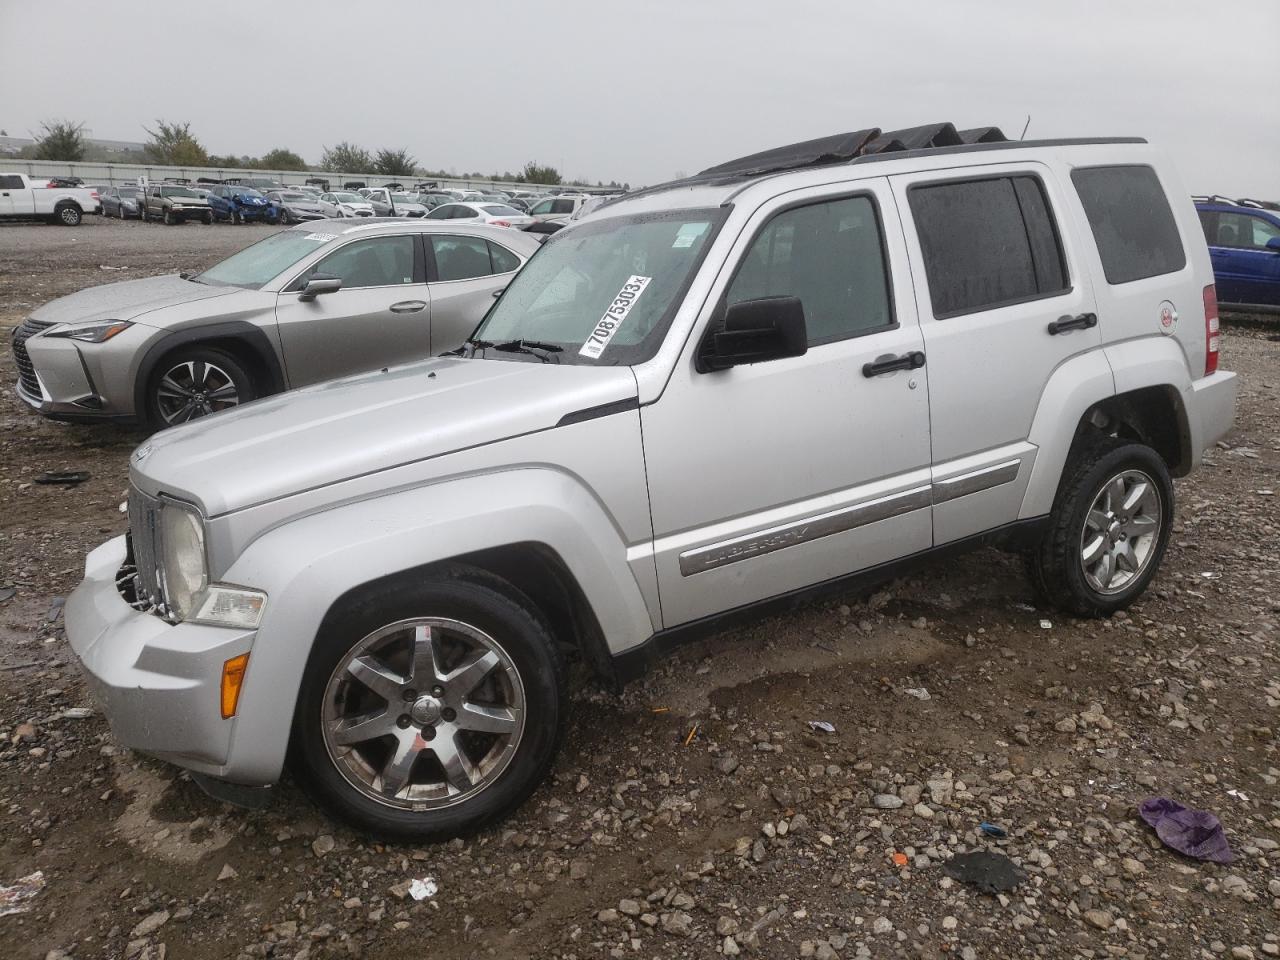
1082 322
408 306
889 363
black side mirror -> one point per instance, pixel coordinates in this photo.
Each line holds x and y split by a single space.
754 331
318 284
1274 244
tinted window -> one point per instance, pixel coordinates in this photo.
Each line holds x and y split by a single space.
504 261
461 258
562 206
830 256
376 262
10 182
1131 222
987 243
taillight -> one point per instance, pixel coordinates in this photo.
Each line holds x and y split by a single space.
93 194
1211 335
501 223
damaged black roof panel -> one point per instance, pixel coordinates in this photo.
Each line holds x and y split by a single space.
916 138
840 148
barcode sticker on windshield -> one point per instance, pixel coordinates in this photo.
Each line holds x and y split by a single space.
321 237
613 317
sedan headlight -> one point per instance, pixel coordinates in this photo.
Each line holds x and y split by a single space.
190 596
91 332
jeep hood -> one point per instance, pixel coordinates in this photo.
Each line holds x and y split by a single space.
334 431
128 300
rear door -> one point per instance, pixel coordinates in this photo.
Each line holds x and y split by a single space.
1003 300
464 273
379 318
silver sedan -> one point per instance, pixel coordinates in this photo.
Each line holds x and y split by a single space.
312 303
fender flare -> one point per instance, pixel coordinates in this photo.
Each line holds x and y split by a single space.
247 333
306 566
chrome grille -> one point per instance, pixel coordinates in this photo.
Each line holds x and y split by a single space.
144 581
27 370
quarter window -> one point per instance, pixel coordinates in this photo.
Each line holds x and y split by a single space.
830 256
375 262
1132 224
987 243
504 261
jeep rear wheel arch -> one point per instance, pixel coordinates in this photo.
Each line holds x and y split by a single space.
249 343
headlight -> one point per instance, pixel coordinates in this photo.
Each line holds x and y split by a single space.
182 564
190 596
91 333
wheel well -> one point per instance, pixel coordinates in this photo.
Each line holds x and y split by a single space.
1152 415
538 573
236 339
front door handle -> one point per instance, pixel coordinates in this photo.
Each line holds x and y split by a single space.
889 363
1082 322
408 306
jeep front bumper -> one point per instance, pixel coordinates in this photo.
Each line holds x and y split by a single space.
158 684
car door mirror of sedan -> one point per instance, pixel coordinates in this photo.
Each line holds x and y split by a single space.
318 284
754 331
1274 244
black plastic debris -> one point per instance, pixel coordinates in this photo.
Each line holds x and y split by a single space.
55 609
7 592
840 148
991 830
63 478
989 872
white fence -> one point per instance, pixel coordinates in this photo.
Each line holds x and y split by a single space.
114 173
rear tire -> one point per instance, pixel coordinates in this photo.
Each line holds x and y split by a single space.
68 214
1108 530
490 753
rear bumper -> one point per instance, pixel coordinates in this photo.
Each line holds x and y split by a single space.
1212 409
158 684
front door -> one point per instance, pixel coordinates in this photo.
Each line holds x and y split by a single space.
1003 299
380 317
771 477
11 187
1245 269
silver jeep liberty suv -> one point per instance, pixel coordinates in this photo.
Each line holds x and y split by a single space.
794 371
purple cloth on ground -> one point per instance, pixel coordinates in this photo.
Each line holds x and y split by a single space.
1196 833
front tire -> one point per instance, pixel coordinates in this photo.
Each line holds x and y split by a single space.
168 218
194 382
207 219
430 708
1108 531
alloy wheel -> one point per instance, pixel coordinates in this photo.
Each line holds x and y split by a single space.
1121 531
194 388
423 714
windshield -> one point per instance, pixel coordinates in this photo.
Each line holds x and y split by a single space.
606 290
350 197
256 265
175 192
246 192
500 210
293 196
128 191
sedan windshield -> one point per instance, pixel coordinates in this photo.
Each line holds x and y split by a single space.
254 266
128 191
350 197
605 291
501 210
293 196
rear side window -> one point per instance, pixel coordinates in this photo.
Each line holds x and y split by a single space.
987 243
562 206
830 256
1131 222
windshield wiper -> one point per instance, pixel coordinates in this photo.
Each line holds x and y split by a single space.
468 348
536 347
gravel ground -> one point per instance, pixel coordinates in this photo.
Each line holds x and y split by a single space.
757 835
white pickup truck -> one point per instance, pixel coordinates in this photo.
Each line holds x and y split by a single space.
22 198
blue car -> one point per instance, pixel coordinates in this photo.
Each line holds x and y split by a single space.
1244 245
242 205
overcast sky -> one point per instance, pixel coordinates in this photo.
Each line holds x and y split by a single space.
644 90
